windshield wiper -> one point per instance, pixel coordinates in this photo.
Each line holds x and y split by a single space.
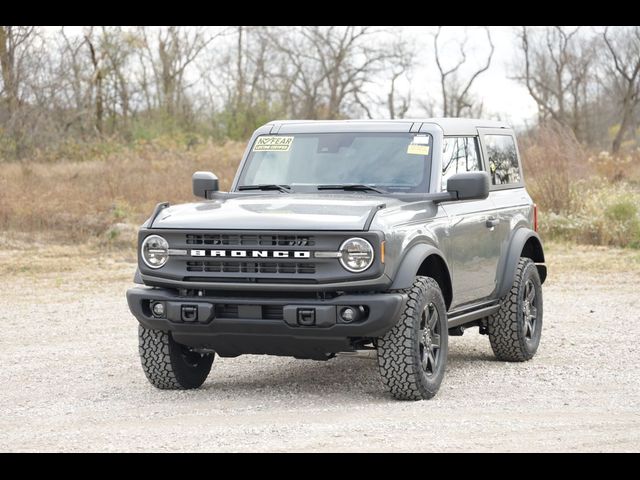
281 188
352 187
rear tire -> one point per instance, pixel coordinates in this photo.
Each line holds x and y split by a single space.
412 356
169 365
515 330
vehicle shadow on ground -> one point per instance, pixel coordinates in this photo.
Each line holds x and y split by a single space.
346 377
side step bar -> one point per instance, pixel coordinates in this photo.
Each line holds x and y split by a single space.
468 317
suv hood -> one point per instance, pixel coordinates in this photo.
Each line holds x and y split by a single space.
276 212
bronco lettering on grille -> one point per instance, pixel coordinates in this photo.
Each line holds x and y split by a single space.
251 253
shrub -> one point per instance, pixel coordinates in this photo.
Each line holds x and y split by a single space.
604 214
552 159
623 224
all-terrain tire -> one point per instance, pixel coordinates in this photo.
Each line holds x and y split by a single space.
169 365
514 336
401 351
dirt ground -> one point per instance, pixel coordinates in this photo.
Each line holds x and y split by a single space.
70 378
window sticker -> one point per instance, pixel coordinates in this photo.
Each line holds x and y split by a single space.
417 149
421 140
273 144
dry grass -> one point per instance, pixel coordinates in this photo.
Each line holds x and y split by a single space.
565 257
79 200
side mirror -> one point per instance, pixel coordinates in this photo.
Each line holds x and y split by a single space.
204 183
469 186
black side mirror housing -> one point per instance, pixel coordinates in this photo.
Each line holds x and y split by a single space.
469 186
204 184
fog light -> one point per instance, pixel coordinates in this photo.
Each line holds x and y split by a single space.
158 309
348 314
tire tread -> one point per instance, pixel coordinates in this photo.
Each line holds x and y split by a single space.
505 336
396 359
161 363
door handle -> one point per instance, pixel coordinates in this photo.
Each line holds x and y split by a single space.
492 222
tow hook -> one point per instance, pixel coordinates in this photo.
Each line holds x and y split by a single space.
189 313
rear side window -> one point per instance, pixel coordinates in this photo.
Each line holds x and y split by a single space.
503 159
460 154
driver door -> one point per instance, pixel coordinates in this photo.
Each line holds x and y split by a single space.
474 248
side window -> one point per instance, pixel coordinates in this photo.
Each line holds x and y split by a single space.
460 154
503 159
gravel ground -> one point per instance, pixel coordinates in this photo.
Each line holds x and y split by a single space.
70 378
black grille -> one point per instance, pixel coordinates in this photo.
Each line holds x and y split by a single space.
251 267
272 312
227 311
255 240
269 312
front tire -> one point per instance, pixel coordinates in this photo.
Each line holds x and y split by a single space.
169 365
515 330
413 354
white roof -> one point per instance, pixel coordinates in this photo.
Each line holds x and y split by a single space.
460 126
450 125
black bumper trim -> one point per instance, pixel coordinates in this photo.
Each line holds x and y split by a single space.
235 336
382 282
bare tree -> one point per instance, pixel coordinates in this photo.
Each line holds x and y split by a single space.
242 93
16 65
399 64
556 68
624 52
326 68
396 68
117 46
169 54
455 90
97 78
75 83
13 41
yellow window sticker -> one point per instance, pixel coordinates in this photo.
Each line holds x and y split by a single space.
416 149
273 144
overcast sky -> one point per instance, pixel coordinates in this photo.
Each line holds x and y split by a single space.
499 93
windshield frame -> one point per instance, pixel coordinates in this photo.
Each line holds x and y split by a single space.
316 128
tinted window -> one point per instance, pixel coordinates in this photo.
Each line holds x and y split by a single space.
397 162
460 154
503 159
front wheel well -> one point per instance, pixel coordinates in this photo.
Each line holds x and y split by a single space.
434 266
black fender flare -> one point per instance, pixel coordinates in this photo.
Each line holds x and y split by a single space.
137 277
518 240
410 265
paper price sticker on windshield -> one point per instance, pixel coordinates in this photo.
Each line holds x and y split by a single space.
421 139
417 149
273 144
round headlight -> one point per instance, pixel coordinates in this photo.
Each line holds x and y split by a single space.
155 251
356 255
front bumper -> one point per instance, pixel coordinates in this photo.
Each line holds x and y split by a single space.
233 326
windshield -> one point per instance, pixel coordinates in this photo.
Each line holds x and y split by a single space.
393 162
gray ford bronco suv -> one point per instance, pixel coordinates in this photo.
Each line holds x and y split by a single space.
338 236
